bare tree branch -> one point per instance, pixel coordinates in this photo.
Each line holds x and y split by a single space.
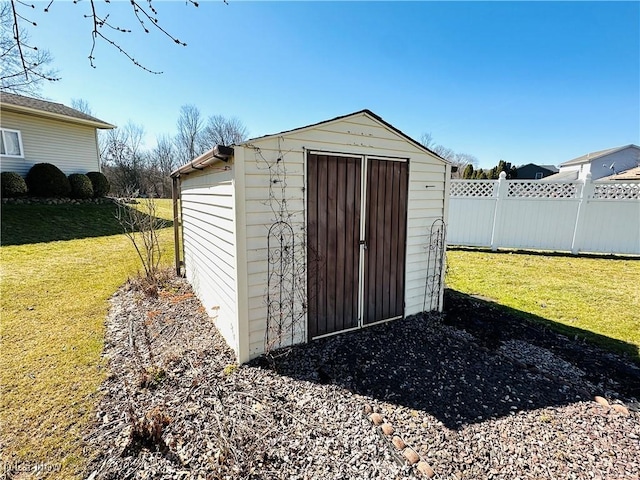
145 14
81 105
223 131
23 67
459 160
188 140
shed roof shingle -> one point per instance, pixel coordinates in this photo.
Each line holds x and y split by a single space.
7 100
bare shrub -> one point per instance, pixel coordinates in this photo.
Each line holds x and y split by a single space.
141 225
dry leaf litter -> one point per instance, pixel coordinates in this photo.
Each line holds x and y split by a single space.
415 398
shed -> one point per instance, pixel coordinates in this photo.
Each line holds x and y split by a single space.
314 231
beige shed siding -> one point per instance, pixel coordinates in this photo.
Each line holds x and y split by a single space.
426 204
359 135
260 215
71 147
207 200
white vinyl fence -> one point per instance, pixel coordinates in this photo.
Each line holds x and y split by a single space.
580 216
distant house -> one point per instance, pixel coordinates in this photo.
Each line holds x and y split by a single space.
531 171
603 163
36 131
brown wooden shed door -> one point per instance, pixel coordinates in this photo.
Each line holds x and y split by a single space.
336 244
333 243
385 235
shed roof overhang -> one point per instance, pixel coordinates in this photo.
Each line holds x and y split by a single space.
219 153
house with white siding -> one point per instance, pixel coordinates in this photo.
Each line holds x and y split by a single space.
37 131
600 164
314 231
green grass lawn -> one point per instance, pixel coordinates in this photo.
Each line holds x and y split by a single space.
600 296
59 266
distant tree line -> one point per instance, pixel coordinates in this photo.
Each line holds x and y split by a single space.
492 173
458 160
134 170
466 164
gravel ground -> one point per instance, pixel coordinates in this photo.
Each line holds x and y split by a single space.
177 406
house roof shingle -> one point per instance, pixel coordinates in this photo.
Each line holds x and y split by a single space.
631 174
551 168
570 176
13 102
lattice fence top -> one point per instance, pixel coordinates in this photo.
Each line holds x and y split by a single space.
537 189
473 188
617 191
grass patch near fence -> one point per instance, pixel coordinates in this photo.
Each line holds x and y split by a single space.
600 296
54 303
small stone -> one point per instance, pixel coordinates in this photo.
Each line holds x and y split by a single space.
425 469
376 418
387 429
621 409
367 409
398 442
601 401
124 440
410 455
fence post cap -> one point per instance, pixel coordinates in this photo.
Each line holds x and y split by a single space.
503 175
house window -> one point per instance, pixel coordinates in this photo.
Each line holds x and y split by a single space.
11 143
539 175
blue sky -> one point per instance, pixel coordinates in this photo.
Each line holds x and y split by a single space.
538 82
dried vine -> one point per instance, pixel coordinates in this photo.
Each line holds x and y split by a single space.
285 294
435 265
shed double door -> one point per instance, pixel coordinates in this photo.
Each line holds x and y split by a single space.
356 244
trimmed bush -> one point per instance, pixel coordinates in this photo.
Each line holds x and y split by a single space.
100 184
81 186
13 185
47 180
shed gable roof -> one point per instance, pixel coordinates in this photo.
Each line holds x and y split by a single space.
20 103
210 157
368 113
589 157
